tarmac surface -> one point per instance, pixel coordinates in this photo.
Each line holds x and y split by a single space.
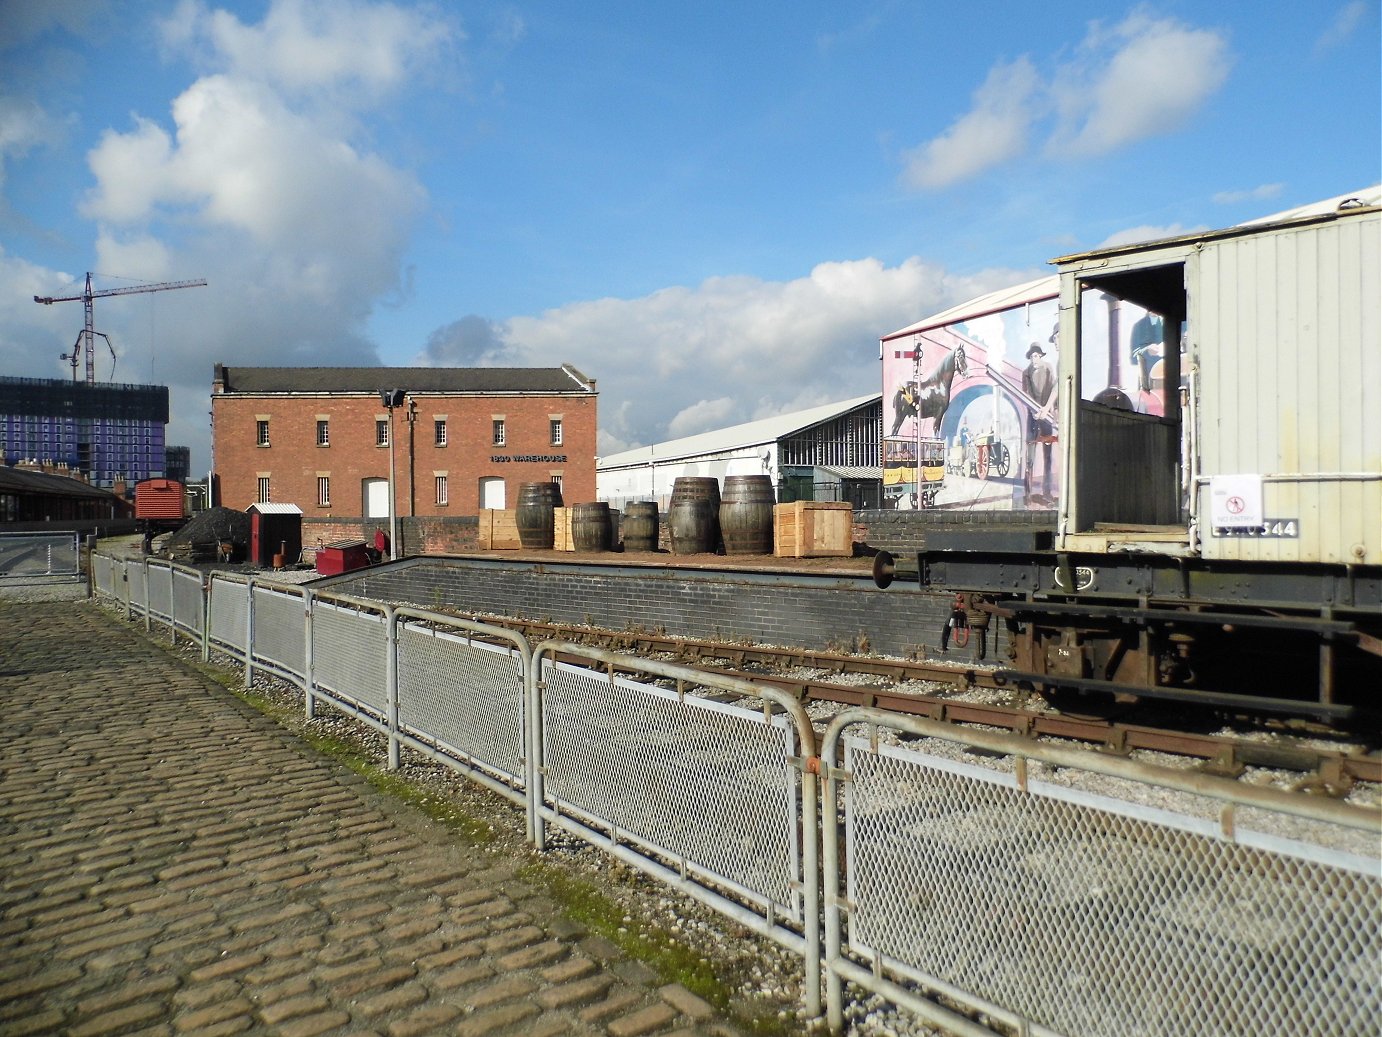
173 862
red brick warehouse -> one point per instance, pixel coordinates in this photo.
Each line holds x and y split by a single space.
462 438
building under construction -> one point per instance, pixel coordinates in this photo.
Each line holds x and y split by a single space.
107 431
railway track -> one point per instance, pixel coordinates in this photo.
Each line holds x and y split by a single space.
1323 769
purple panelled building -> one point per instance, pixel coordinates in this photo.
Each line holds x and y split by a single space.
107 430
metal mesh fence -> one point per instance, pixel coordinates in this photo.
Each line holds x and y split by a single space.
350 654
1089 914
26 555
104 575
138 587
227 613
465 695
187 600
280 635
708 784
160 591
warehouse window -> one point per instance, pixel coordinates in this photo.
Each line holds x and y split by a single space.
261 431
323 432
441 489
555 425
323 491
439 431
263 489
381 432
499 434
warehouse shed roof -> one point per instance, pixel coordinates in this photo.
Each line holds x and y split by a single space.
734 437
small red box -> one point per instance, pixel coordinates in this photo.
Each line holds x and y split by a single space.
341 557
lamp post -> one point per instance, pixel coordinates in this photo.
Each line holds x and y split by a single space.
392 398
916 376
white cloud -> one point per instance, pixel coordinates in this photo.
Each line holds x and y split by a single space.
263 179
313 45
1147 232
1145 77
685 360
1253 194
1341 27
23 125
994 131
704 415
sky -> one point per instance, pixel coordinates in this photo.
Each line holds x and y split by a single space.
714 210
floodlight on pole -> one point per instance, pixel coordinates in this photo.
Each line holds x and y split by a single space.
392 398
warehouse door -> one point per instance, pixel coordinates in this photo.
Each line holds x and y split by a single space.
492 492
376 498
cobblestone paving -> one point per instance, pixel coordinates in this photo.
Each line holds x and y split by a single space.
171 862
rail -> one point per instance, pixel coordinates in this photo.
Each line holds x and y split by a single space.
991 881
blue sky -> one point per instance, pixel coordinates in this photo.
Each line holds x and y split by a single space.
714 210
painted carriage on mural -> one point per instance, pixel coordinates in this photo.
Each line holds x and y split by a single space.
913 472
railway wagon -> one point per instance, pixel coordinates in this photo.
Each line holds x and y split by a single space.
1223 545
160 504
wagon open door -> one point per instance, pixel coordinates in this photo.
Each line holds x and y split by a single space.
1127 440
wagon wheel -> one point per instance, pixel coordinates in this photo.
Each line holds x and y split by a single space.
1001 460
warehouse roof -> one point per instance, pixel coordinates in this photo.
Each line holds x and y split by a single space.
994 302
544 380
735 437
22 480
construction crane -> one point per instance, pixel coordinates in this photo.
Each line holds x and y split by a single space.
89 333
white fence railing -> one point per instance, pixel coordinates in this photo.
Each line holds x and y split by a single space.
39 556
998 886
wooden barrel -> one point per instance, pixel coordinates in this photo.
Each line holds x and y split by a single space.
640 526
535 514
693 517
590 529
746 515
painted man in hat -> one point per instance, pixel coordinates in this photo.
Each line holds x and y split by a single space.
1039 383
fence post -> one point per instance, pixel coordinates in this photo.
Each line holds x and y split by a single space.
172 606
391 683
309 701
532 739
148 619
206 617
249 634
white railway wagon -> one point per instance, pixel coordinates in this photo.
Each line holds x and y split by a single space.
1219 527
1272 448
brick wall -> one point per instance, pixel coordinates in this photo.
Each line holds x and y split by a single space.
767 608
293 461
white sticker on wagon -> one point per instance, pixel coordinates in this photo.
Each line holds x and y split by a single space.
1235 501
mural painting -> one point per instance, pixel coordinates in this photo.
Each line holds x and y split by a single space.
976 400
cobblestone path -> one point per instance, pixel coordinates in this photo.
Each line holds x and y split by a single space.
171 862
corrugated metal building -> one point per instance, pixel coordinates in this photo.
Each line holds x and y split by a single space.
829 452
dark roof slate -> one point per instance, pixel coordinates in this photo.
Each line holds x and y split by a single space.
544 380
23 480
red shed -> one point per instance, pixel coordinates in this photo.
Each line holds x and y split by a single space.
275 529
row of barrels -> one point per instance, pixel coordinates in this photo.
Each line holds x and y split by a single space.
699 519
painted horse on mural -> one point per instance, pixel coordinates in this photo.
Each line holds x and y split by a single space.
930 399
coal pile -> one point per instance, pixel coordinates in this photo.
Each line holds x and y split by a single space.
206 531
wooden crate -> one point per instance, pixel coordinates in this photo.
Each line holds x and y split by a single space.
498 530
561 530
813 529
